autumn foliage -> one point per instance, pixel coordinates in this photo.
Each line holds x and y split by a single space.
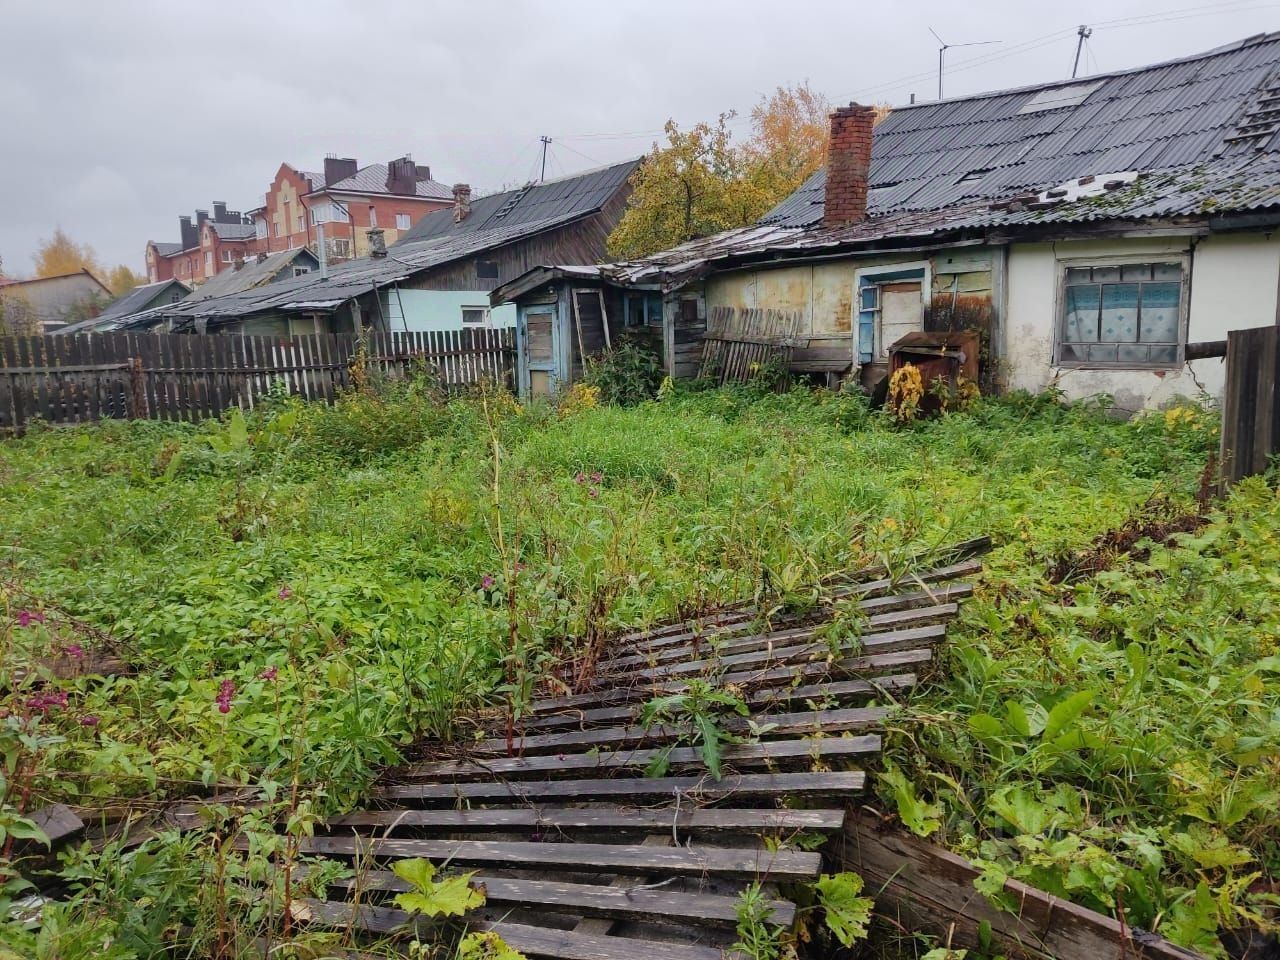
701 182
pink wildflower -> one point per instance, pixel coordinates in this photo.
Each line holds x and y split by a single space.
74 650
226 690
88 720
44 702
27 617
285 593
597 477
269 674
580 477
593 493
487 582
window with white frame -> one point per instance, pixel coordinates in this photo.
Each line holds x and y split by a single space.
475 316
329 212
260 229
373 217
208 262
339 248
402 221
300 222
1122 314
299 271
226 256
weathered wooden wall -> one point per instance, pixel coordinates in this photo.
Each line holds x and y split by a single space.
1250 403
87 377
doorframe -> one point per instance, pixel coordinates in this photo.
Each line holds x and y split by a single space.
551 366
864 330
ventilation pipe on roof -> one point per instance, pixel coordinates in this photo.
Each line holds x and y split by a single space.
324 252
848 165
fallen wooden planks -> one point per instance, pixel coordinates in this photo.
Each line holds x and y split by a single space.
755 786
845 691
629 901
688 819
780 724
750 680
913 618
734 755
750 863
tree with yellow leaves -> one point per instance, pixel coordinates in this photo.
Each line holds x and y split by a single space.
699 182
60 255
122 279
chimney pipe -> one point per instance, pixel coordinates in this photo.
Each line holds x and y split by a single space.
461 201
377 242
848 164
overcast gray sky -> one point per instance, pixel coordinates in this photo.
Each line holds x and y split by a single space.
119 117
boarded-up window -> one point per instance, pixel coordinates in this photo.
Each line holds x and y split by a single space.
539 337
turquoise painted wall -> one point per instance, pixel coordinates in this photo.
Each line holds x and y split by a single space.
439 309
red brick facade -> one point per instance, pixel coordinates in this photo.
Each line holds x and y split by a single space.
848 164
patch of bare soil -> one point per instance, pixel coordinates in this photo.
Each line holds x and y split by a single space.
1157 520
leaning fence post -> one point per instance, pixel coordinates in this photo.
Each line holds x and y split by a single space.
137 390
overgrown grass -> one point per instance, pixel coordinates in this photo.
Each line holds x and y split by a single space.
335 579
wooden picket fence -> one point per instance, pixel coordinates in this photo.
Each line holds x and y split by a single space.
738 342
87 377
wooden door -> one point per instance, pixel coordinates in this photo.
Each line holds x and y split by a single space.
539 338
901 312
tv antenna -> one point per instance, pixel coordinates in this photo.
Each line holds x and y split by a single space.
943 47
1084 32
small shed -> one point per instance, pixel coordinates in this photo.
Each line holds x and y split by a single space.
568 315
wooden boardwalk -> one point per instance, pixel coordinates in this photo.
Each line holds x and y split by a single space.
583 856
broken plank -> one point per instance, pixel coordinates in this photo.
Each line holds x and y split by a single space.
625 902
747 862
683 819
871 644
732 755
754 786
761 641
782 724
778 676
871 606
527 939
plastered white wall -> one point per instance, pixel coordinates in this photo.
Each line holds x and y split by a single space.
1233 285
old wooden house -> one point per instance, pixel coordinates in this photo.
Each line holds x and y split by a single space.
439 275
1091 231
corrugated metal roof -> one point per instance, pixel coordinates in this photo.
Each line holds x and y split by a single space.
1157 118
136 299
577 195
252 274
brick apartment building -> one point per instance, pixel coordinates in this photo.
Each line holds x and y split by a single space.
208 245
347 199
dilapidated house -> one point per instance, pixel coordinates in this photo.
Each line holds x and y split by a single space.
438 276
1090 230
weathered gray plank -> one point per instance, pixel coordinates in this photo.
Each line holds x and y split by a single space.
754 786
542 818
749 863
735 755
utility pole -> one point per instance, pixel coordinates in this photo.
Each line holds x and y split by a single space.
1084 32
943 47
545 142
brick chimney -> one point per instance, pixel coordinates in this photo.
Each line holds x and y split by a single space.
461 201
848 163
339 168
377 242
188 232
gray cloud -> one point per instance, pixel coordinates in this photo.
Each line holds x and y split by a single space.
119 117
